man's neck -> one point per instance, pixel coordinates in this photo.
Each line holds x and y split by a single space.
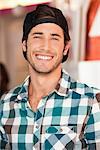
42 84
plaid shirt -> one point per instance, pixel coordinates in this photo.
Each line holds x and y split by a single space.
68 118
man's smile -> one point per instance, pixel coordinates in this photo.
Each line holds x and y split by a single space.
43 57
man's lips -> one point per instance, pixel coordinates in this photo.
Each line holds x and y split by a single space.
43 57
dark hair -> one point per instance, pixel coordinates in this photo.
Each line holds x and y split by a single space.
4 79
45 14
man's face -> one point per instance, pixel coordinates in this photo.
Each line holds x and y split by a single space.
45 45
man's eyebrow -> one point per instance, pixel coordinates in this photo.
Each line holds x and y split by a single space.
55 34
37 33
52 34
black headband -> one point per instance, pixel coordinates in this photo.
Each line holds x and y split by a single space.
47 20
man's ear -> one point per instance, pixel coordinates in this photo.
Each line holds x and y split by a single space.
24 46
67 47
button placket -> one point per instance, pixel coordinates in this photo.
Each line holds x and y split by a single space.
38 122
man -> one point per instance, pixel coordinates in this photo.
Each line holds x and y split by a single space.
49 111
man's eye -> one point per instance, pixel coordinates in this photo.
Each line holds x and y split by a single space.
54 38
36 37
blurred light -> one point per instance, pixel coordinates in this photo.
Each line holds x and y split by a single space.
6 4
18 11
76 4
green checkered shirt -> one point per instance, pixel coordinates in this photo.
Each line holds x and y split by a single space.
68 118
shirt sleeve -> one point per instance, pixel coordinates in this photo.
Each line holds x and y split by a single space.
3 135
92 130
3 138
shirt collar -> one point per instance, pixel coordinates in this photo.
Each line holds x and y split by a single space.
63 85
23 92
61 89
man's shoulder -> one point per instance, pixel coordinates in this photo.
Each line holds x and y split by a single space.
11 94
79 87
83 88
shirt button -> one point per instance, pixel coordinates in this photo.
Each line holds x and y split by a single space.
37 126
19 97
61 129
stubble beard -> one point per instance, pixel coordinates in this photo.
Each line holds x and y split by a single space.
36 69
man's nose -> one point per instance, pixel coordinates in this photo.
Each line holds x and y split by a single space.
46 44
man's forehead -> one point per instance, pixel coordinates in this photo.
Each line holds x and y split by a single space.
46 26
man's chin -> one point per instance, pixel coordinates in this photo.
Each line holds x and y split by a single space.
43 71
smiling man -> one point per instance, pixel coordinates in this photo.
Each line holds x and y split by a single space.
46 54
49 110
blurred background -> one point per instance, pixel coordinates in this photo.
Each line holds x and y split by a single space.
83 18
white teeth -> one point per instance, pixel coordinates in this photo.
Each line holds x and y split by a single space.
44 57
